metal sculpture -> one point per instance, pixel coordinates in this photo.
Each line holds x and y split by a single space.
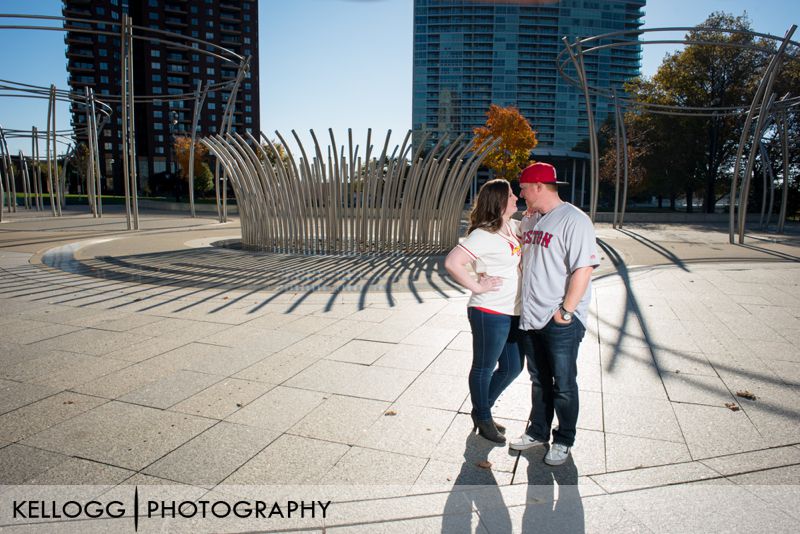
764 109
345 205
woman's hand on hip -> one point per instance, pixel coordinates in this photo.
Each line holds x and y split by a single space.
487 284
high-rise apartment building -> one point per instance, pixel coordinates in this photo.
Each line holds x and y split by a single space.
469 54
161 69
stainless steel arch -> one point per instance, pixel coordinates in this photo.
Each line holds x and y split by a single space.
387 205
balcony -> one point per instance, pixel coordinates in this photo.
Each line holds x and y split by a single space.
74 38
171 8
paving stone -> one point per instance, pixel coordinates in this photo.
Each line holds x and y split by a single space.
386 332
213 359
711 432
278 409
631 371
396 509
222 399
210 457
62 370
641 417
654 476
89 341
461 445
628 452
121 322
290 460
590 414
19 463
120 434
346 328
13 353
379 383
146 349
428 336
371 467
718 507
341 419
27 332
412 430
360 351
77 471
452 362
445 392
316 345
462 342
123 381
45 413
696 389
267 341
278 368
179 330
411 357
450 524
754 461
779 487
514 403
693 363
441 476
171 389
15 394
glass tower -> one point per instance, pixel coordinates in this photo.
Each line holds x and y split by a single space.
470 54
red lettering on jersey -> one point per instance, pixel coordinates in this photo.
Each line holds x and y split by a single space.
546 239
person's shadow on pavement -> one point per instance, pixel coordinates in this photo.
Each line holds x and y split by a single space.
475 488
553 503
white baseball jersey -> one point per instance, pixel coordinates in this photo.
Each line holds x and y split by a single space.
496 254
554 245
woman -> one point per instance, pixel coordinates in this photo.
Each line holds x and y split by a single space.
493 248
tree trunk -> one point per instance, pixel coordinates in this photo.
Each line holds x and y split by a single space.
673 197
711 167
689 200
660 201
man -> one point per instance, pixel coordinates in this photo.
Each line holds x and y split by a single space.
559 253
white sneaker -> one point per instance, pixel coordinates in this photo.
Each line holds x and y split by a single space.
557 454
524 442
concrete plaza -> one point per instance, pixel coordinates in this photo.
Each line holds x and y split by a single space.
200 373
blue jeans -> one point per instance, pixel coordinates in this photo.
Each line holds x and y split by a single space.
552 356
494 343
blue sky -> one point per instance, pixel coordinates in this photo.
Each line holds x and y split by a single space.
328 63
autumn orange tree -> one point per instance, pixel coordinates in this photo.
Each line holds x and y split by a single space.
202 173
518 139
182 146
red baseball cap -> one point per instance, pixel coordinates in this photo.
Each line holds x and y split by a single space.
539 173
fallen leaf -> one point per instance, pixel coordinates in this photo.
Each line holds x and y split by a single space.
390 412
486 464
732 406
677 371
239 405
225 298
68 402
745 395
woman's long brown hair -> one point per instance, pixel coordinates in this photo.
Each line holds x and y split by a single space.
487 213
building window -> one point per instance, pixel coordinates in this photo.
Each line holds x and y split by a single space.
103 65
153 15
155 65
103 52
108 146
158 126
157 114
155 53
156 77
210 71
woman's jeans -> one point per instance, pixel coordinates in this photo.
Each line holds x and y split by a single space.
494 344
552 355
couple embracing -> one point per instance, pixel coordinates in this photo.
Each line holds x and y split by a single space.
529 302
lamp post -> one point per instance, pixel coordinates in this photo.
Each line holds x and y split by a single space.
173 124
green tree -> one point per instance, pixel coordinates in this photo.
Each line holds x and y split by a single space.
518 139
696 153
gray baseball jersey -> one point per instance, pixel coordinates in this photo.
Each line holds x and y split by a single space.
553 246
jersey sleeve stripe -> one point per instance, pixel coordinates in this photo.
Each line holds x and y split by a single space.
468 251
